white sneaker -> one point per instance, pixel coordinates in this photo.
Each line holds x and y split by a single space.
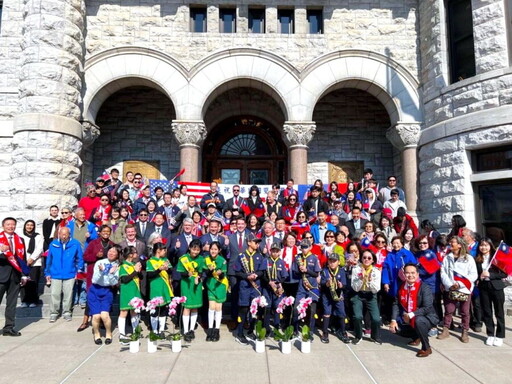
24 305
498 342
32 305
53 318
490 341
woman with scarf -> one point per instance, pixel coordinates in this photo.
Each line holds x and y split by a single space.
291 209
34 243
458 275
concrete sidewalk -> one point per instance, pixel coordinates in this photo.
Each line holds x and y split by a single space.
56 353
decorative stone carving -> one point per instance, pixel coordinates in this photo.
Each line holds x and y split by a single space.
299 134
189 132
90 133
404 135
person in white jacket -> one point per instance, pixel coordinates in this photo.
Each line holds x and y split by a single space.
458 275
366 283
34 243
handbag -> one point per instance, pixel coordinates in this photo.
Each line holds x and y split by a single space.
458 296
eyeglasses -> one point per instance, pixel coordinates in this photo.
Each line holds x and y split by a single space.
236 190
104 199
367 258
423 242
329 237
65 212
143 214
380 242
308 237
136 182
392 180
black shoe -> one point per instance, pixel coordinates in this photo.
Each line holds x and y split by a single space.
377 341
108 341
161 335
209 334
325 338
11 332
251 336
311 336
187 337
192 335
344 338
82 327
356 341
98 341
216 335
241 339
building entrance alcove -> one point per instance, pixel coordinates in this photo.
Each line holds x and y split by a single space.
246 150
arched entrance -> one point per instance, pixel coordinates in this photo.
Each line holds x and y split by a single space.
247 150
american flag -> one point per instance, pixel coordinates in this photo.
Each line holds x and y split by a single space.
164 184
196 189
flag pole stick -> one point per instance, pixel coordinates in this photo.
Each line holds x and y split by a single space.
495 253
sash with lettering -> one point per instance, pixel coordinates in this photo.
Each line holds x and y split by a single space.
209 261
130 268
16 260
408 297
156 264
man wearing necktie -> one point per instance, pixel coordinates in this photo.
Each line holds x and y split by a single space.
415 304
12 255
235 202
268 238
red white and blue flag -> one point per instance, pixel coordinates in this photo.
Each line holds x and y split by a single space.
462 280
429 262
503 258
196 189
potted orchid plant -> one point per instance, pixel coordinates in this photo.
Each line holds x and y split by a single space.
285 336
134 339
175 337
260 331
153 337
305 332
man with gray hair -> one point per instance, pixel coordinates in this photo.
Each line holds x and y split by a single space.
65 259
268 238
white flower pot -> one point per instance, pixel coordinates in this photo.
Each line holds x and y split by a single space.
176 346
152 346
305 346
260 346
134 346
286 347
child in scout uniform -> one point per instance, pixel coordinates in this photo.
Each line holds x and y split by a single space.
217 287
129 279
274 276
191 266
333 281
308 269
249 268
158 271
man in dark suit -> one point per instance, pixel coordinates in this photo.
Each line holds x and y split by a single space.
158 226
415 304
12 252
356 222
315 203
142 225
213 196
213 234
236 201
142 202
268 238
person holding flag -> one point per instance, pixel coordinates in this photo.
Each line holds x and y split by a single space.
491 287
458 275
429 272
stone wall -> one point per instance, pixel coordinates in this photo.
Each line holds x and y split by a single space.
351 126
385 27
135 124
447 162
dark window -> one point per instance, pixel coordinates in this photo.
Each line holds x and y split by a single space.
227 20
198 19
245 144
285 19
1 6
256 20
493 159
315 21
460 39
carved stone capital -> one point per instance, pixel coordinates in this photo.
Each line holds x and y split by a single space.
90 132
404 135
189 132
299 133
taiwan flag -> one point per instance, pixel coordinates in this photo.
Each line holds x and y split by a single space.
429 262
503 258
462 280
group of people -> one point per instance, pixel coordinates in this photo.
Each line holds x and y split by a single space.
350 261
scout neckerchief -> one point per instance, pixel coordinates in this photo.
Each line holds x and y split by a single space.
156 263
408 297
129 268
17 259
333 286
302 261
190 265
247 261
211 261
272 275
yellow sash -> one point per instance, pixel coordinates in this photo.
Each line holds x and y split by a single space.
156 264
190 266
129 270
209 262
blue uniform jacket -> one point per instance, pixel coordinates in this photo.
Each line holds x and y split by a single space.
258 267
325 276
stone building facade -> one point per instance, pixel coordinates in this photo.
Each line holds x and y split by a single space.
86 85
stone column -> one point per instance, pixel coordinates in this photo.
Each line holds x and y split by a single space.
189 134
298 135
405 137
90 133
47 136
